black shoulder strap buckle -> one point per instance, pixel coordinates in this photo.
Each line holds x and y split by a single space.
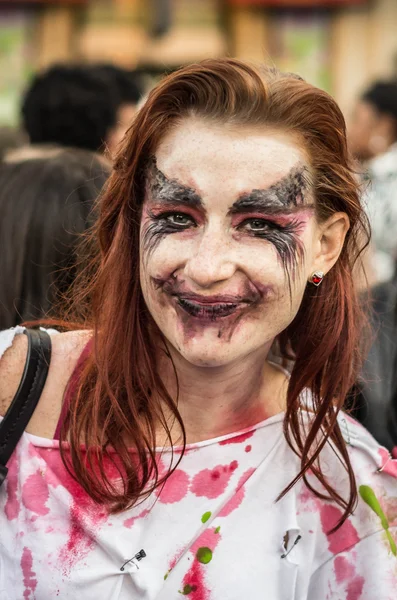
28 394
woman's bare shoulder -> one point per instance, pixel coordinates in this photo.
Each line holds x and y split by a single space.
66 349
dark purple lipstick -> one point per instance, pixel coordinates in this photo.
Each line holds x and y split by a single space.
209 308
207 311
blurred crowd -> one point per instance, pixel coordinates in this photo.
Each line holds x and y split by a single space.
53 169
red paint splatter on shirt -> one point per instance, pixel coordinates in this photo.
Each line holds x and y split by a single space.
248 448
35 493
175 559
355 588
211 483
130 522
208 539
12 506
29 576
195 577
388 464
238 497
238 439
85 516
342 539
344 570
175 488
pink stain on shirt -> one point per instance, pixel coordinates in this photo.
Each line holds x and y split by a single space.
238 497
344 570
211 483
85 516
130 522
195 577
238 439
29 576
12 506
208 539
194 581
355 588
175 488
389 465
342 539
35 493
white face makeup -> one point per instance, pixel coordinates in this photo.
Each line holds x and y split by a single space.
228 234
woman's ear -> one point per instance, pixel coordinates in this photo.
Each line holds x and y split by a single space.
330 239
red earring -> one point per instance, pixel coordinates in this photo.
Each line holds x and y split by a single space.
317 278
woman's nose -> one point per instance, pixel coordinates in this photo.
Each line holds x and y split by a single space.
211 261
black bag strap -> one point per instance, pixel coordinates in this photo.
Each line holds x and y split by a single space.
28 394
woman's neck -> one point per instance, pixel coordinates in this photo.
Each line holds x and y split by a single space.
215 401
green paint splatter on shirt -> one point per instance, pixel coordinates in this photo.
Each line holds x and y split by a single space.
206 516
217 530
186 590
368 495
204 555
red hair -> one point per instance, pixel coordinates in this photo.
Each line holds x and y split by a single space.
121 394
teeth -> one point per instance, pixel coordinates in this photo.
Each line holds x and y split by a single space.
209 311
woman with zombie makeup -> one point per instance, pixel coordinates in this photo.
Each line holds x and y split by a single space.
171 453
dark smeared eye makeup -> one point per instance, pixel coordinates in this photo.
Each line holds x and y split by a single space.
277 214
177 220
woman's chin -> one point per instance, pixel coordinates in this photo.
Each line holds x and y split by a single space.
206 359
208 353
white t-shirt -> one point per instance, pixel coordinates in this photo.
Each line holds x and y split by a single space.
380 198
214 532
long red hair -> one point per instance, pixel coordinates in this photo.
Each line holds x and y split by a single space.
121 395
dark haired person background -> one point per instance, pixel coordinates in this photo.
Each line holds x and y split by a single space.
46 201
87 107
373 141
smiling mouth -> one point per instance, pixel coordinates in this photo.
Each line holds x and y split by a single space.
209 311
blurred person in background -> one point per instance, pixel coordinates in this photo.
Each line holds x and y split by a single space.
87 107
373 141
10 139
129 90
46 202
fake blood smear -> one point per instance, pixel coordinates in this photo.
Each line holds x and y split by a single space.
12 506
238 439
211 483
175 488
345 573
194 585
29 576
355 588
130 522
35 493
345 537
344 570
238 497
85 516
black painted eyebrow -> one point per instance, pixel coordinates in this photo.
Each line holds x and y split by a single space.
287 195
170 191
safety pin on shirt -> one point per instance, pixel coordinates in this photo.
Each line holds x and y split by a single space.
138 557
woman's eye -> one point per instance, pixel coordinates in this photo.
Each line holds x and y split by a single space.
179 219
257 225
